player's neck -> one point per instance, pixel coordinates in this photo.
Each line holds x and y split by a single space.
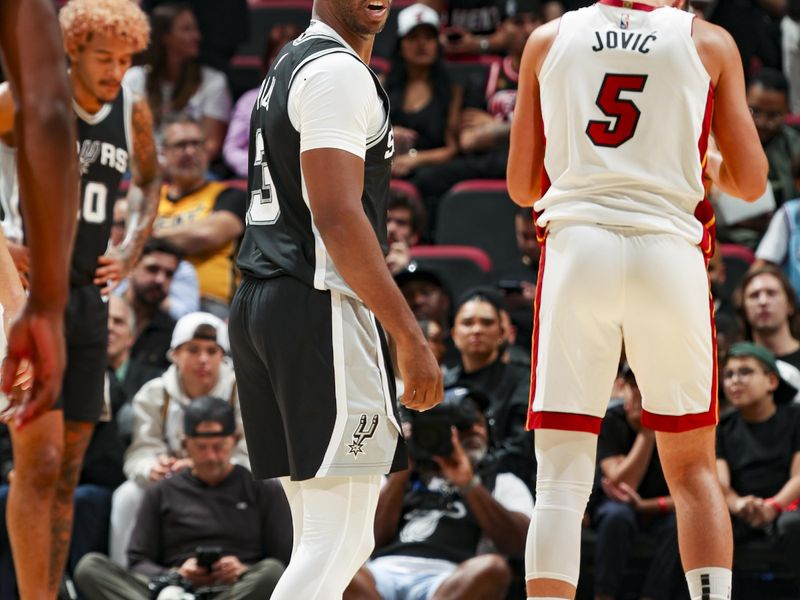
361 44
83 97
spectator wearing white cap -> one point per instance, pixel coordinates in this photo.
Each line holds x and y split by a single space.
199 368
425 106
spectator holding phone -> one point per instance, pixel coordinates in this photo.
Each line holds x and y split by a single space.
210 529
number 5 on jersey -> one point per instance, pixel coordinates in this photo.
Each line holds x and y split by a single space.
625 113
264 208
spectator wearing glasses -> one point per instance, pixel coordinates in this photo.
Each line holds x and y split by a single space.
203 219
758 451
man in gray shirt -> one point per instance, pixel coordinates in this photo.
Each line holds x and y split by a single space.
215 505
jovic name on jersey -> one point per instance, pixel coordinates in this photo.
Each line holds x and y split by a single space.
103 150
280 237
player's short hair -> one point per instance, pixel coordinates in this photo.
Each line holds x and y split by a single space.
122 19
770 79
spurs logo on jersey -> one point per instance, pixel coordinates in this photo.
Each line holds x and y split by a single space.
362 433
89 151
281 237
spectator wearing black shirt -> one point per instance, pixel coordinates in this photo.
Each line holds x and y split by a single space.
479 337
758 451
215 503
148 286
636 500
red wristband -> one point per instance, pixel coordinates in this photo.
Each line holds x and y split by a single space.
774 504
662 505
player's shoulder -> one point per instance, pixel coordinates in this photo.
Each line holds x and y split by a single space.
336 67
712 36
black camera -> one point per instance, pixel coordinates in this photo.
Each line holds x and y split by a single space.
431 430
159 582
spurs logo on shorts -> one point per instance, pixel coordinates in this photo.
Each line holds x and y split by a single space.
362 434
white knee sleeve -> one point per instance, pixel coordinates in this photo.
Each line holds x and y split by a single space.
333 521
566 467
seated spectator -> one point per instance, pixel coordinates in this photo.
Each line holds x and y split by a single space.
173 80
237 141
223 28
199 368
790 46
636 500
425 293
213 504
145 291
781 243
768 99
767 306
479 337
425 105
203 219
445 526
758 451
485 127
405 224
472 27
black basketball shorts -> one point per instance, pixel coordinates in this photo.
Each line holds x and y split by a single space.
86 329
316 384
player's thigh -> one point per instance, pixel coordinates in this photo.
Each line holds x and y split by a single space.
668 328
577 333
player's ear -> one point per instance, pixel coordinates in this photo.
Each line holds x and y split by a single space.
679 4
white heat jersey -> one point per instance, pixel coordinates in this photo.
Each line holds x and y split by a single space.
626 104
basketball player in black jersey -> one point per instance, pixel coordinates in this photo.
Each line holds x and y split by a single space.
114 134
307 323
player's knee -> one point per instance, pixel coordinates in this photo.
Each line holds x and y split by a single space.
38 467
493 570
572 496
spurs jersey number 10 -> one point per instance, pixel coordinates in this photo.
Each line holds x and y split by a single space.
626 105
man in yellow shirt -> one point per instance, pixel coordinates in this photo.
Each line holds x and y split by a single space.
203 219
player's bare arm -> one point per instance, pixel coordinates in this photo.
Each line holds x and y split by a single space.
526 152
335 179
209 233
6 109
45 134
142 201
742 171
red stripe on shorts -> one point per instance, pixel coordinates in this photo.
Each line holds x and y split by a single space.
564 421
537 301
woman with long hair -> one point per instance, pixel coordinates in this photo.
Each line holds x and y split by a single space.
174 81
425 105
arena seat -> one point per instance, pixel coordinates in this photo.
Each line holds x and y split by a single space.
266 13
737 261
480 213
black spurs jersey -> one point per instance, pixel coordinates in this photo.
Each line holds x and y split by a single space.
280 237
103 149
